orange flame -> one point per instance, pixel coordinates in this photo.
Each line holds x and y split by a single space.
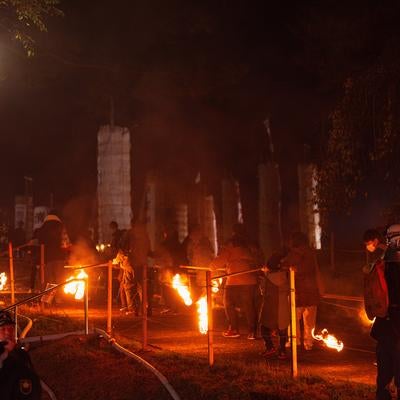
76 288
202 311
3 280
329 340
183 290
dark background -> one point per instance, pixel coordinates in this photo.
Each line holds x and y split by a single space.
193 81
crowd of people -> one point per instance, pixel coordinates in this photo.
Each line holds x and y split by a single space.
255 287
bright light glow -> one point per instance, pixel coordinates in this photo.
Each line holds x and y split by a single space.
101 247
202 312
3 280
182 288
216 285
329 340
76 288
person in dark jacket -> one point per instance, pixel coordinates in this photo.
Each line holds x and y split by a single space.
169 256
18 379
199 253
240 290
386 330
53 235
303 258
275 312
117 236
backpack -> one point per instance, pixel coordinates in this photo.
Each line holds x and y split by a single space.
376 299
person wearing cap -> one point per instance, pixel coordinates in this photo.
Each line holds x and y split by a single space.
55 239
386 329
18 380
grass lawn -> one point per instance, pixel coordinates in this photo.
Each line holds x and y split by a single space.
87 368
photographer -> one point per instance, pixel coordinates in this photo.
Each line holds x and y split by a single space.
18 380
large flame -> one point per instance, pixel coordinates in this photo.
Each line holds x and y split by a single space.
202 311
182 288
3 280
179 284
329 340
76 288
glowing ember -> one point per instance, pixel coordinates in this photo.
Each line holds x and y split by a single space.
183 290
3 280
202 311
329 340
77 288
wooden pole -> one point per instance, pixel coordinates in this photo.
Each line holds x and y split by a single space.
109 298
12 280
144 307
293 322
86 306
42 281
210 332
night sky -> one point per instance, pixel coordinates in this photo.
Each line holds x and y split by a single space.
193 81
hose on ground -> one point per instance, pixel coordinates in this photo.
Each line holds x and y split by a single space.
27 327
130 354
49 392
